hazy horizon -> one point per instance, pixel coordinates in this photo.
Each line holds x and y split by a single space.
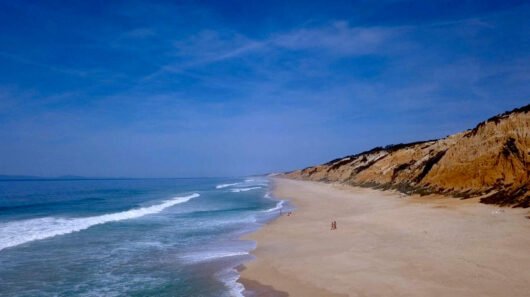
233 88
8 177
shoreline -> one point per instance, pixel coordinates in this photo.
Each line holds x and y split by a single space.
387 246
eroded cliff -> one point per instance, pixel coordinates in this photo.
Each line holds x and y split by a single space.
491 160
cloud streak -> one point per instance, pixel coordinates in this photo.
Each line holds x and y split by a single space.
158 92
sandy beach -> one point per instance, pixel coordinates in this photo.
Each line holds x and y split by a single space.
387 244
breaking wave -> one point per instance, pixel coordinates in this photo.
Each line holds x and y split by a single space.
18 232
244 189
278 206
221 186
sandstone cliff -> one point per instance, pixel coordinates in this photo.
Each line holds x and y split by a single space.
491 160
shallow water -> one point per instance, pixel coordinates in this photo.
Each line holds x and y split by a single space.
140 237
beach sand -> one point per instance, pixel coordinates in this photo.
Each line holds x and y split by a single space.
387 244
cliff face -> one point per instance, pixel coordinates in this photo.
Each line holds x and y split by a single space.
492 160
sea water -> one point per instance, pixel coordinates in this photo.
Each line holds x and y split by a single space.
129 237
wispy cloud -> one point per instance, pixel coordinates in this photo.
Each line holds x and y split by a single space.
338 38
164 88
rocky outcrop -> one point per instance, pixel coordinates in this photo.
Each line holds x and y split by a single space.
491 160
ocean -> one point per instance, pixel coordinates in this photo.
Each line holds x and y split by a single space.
129 237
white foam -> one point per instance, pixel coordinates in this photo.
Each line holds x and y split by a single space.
19 232
230 278
278 206
210 255
244 189
221 186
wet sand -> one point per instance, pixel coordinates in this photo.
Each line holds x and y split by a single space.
387 244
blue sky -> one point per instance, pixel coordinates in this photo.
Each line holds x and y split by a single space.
223 88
